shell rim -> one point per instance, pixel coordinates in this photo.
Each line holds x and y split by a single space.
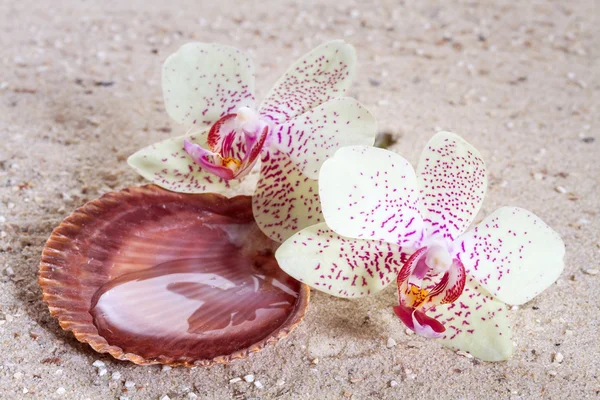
97 342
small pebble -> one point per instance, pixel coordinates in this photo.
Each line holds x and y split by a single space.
249 378
192 396
129 384
280 382
393 383
409 374
258 384
123 398
390 343
25 390
18 375
464 354
409 331
560 189
61 390
165 397
166 368
552 373
98 364
514 308
235 380
116 376
558 357
10 271
315 361
569 332
102 371
592 271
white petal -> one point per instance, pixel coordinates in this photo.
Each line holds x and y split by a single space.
340 266
453 182
314 136
371 193
203 82
323 74
513 254
167 165
476 323
285 200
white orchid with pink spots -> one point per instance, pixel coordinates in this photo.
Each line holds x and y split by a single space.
302 121
386 223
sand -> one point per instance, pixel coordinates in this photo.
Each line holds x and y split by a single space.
80 91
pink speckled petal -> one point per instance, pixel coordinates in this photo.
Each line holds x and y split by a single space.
285 200
371 193
314 136
203 82
513 254
167 165
453 181
323 74
337 265
476 323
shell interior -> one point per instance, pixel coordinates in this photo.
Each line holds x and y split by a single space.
154 276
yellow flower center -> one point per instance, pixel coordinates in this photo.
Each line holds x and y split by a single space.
231 163
416 296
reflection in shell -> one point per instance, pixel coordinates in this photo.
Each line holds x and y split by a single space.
155 276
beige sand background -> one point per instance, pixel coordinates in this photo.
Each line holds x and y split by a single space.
80 91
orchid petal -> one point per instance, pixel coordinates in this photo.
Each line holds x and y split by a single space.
453 182
314 136
371 193
513 254
285 201
167 165
476 323
204 82
323 74
340 266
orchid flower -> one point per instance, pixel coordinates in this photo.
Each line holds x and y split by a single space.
302 121
386 223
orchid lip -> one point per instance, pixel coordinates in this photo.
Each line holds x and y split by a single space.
430 277
235 141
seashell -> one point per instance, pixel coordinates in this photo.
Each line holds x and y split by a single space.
153 276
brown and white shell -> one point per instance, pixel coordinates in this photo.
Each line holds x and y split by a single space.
153 276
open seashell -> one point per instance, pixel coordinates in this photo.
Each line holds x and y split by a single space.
153 276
